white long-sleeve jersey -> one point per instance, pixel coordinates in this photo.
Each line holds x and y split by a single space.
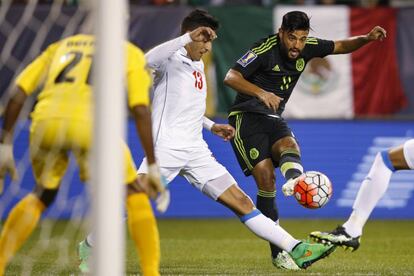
178 96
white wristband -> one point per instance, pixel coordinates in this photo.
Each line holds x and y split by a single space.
207 123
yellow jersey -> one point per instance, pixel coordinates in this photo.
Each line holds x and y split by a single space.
64 70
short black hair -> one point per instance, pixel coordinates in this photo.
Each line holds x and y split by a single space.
198 18
295 20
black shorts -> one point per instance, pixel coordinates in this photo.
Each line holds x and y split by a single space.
255 135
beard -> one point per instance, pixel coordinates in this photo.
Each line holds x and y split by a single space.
285 51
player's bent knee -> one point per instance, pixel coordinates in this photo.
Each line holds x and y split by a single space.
286 143
46 196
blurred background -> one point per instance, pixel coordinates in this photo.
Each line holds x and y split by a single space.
343 111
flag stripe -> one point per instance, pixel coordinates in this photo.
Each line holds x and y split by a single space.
376 82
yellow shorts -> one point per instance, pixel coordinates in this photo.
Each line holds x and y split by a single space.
52 140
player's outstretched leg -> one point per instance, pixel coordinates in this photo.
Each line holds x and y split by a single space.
303 254
386 162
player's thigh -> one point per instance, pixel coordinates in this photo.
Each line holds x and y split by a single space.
281 138
207 175
278 129
48 156
251 141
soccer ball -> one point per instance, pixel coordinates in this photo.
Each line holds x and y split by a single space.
314 191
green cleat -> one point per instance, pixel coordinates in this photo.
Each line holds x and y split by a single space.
84 251
284 261
305 254
338 237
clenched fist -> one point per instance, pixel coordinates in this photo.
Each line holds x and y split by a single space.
377 33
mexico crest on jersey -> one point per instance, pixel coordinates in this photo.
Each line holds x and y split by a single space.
300 64
247 58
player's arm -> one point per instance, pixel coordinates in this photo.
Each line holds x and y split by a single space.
354 43
142 117
26 82
158 55
235 80
225 131
13 108
24 85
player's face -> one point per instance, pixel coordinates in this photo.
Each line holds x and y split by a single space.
197 49
293 42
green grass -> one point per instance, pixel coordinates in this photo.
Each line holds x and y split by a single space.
225 247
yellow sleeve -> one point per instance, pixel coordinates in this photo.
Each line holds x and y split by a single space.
138 78
36 71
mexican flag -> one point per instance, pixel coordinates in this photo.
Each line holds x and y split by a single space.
364 83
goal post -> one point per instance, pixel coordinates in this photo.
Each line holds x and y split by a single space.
109 116
25 31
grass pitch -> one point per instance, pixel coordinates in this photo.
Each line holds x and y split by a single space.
225 247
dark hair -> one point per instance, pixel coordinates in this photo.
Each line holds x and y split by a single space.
198 18
295 20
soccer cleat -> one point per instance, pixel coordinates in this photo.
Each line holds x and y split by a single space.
305 254
289 187
84 251
284 261
337 237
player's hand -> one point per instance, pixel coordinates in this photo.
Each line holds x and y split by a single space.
225 131
156 182
377 33
270 100
7 164
203 34
163 201
289 187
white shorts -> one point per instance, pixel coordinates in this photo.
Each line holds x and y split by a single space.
409 153
199 167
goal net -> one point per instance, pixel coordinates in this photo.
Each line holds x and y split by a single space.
26 29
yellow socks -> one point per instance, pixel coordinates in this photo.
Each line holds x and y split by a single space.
144 232
20 223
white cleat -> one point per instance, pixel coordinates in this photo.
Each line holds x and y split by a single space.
289 187
284 261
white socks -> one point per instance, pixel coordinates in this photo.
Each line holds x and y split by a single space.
372 189
268 230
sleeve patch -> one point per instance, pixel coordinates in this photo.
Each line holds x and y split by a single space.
247 58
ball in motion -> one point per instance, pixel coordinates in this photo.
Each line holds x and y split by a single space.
314 191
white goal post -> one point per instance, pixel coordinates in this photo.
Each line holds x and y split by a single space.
107 160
